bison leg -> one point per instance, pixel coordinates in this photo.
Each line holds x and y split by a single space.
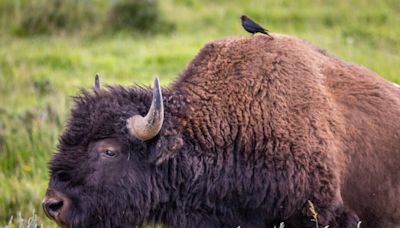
341 217
346 218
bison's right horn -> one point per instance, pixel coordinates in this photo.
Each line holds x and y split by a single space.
97 82
145 128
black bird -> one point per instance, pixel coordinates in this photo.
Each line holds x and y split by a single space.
252 27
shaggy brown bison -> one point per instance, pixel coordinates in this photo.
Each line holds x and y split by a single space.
250 132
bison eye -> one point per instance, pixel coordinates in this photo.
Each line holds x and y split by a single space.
106 148
110 153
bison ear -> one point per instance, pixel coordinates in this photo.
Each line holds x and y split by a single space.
166 147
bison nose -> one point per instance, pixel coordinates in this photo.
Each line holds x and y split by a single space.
56 205
52 207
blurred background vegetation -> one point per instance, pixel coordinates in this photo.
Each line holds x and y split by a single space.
51 48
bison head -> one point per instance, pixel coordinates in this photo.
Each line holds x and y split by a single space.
104 174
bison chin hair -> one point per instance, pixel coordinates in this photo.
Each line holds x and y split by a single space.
108 208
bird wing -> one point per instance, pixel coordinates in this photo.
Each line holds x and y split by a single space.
251 24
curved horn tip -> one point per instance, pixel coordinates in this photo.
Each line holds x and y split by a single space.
97 81
157 94
145 128
156 81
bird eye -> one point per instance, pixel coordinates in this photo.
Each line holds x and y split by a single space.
110 153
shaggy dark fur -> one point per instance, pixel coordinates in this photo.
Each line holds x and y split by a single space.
254 128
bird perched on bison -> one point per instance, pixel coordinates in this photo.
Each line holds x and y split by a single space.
251 134
252 27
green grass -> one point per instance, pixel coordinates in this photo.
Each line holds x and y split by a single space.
38 74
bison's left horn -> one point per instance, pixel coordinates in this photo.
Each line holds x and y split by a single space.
145 128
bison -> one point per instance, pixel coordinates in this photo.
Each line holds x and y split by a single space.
253 133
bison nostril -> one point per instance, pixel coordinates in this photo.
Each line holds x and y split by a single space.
52 207
56 206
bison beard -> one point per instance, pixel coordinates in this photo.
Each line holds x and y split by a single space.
253 129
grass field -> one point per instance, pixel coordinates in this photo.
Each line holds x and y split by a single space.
38 74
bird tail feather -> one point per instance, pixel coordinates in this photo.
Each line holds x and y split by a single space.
266 33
